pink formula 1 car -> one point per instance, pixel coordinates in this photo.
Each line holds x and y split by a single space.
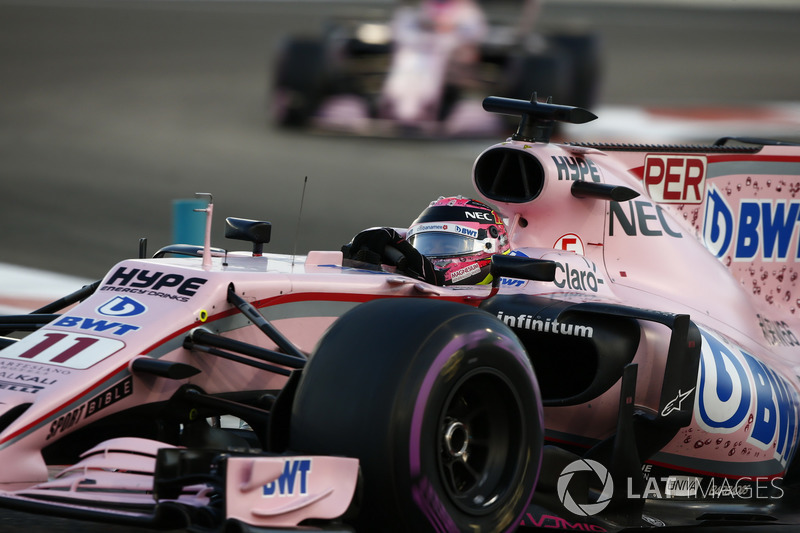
633 364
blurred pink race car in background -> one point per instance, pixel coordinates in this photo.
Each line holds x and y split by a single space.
426 71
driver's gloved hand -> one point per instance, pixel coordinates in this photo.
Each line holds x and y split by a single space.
369 245
386 246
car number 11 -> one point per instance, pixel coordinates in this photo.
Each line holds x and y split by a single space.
71 350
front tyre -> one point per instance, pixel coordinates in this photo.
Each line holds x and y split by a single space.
439 403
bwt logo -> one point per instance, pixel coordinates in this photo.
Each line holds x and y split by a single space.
122 306
99 325
675 179
760 227
734 389
293 481
466 231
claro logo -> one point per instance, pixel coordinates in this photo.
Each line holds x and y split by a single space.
577 279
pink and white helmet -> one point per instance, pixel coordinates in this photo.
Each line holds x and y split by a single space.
459 236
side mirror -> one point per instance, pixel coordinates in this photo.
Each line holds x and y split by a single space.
254 231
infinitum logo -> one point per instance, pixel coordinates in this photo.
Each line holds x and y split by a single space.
584 508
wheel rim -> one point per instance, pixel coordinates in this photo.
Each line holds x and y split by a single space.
480 441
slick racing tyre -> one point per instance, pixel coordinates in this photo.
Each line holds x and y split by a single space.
438 401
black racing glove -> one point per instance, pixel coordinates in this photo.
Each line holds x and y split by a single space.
386 246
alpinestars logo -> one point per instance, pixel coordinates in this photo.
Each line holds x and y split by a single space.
676 404
584 508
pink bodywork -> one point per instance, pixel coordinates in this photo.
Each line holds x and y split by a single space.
657 251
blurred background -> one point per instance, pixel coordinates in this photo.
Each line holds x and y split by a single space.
112 109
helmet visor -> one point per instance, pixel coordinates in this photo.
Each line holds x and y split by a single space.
437 244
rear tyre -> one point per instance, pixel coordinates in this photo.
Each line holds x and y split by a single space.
439 403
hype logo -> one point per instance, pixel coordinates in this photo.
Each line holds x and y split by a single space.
122 306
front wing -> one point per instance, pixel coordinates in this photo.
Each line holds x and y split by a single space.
144 483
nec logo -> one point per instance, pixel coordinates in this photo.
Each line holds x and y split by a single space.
675 179
476 215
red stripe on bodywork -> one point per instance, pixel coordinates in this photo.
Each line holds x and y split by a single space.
275 300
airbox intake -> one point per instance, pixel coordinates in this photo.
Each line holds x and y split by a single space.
509 175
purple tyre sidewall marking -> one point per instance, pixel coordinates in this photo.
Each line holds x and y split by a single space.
467 341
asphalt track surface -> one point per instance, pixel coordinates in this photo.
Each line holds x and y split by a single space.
110 110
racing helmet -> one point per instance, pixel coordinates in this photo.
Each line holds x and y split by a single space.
459 236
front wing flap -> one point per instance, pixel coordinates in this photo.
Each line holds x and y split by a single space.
143 483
